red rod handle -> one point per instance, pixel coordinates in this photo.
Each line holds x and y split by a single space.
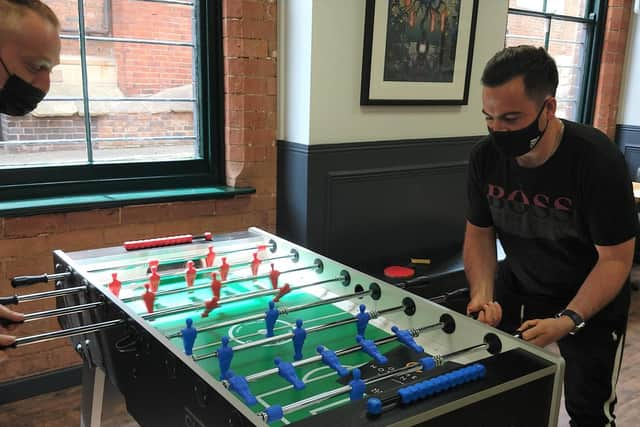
133 245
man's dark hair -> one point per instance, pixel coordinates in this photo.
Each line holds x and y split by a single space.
533 63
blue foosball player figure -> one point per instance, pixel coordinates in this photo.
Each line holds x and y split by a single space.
405 338
270 317
369 347
299 335
239 384
225 354
357 385
363 320
189 335
330 359
288 372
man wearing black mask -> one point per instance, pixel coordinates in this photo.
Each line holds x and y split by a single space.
29 49
558 196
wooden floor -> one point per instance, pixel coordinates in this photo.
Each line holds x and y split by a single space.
62 409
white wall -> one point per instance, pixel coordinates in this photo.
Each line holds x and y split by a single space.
629 108
294 69
335 114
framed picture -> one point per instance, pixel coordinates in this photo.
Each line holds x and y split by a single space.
417 52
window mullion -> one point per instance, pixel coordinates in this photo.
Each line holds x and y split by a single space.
85 80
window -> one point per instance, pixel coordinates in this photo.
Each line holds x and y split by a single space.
135 104
571 31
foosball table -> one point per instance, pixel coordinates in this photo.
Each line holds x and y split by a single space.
247 328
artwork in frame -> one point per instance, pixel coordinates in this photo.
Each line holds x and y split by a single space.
417 52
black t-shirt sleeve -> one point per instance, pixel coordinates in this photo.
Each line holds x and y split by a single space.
478 212
610 207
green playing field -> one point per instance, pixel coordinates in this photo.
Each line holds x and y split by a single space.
271 390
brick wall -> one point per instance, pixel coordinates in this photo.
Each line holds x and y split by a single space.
26 242
611 67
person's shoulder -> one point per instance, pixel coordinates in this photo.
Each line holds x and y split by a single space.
592 141
586 133
483 149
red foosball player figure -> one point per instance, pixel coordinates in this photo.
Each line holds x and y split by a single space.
149 298
255 264
190 273
209 306
273 275
154 278
215 285
224 269
285 289
115 285
211 256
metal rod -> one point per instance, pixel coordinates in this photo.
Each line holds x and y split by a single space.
290 335
188 307
199 272
283 310
467 350
183 3
239 279
117 99
342 352
60 311
79 140
51 294
127 40
86 329
260 334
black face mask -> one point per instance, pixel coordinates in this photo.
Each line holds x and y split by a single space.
18 97
515 143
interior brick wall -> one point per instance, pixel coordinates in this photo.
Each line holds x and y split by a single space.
26 242
611 67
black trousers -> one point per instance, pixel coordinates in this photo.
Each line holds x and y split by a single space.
593 356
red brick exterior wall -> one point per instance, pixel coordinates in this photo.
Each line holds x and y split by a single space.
611 67
26 242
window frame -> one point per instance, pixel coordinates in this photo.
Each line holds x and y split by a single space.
19 184
595 19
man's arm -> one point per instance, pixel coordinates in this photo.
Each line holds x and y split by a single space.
605 280
480 263
599 288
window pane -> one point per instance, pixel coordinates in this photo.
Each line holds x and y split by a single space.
536 5
525 30
141 103
567 43
558 7
152 116
567 7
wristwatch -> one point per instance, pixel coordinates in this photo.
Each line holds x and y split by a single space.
578 321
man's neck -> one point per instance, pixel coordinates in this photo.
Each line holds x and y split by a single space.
545 148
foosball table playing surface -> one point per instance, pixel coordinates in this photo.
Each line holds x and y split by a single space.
247 328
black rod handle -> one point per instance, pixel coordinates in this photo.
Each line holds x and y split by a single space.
7 322
19 281
12 300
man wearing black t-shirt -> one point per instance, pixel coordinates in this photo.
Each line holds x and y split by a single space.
558 196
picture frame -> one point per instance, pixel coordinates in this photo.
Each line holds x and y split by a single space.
418 52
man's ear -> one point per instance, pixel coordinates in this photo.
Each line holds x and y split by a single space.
552 105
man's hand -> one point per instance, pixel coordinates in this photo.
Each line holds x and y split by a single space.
489 312
543 332
5 340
